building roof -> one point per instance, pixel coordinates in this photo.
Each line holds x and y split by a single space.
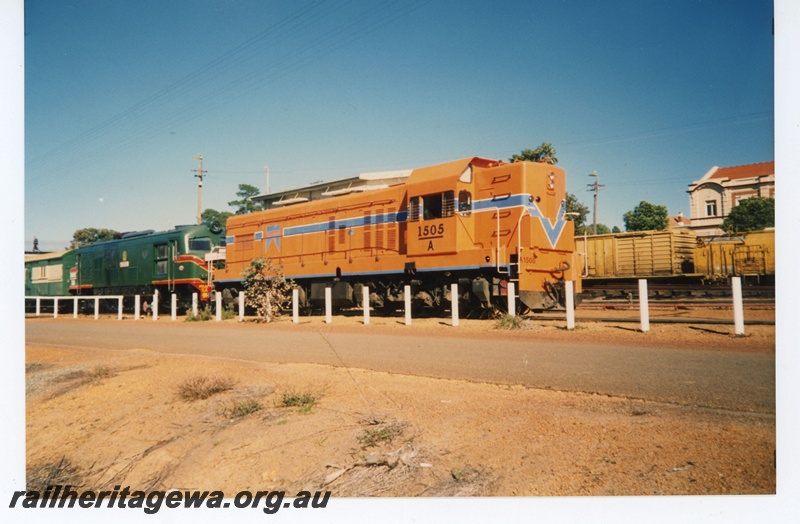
745 171
678 221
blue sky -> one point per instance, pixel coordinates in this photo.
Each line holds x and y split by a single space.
120 96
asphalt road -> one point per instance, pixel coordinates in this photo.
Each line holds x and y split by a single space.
718 379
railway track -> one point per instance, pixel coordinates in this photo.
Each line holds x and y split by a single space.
670 305
628 290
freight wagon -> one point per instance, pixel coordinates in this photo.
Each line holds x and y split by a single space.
747 255
676 256
476 222
642 254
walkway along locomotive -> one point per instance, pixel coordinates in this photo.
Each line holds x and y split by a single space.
476 222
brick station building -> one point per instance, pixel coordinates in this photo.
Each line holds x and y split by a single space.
722 188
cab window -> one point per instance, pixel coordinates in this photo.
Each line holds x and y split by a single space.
200 244
413 209
464 202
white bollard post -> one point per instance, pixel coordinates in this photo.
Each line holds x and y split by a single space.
407 297
295 305
218 301
644 310
328 306
75 307
173 306
55 308
119 309
512 299
738 306
570 302
365 303
194 304
241 306
38 306
137 306
454 302
96 308
155 305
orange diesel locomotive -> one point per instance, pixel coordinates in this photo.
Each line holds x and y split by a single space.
476 222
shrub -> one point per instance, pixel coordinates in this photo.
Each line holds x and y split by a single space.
245 407
201 387
266 289
509 322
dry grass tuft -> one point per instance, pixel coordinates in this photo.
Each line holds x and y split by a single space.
61 472
384 432
202 387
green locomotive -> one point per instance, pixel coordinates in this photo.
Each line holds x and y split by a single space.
138 263
143 262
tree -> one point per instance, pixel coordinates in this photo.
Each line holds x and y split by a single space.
545 153
576 212
603 229
266 289
752 214
212 215
90 235
615 229
245 203
646 217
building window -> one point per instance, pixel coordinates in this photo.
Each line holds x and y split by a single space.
711 208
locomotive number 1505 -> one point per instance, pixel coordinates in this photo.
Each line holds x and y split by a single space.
431 231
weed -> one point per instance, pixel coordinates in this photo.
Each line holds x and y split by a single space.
60 472
32 367
301 400
385 432
101 372
245 407
202 387
202 314
207 314
509 322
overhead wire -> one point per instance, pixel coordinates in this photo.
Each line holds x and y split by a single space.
174 89
672 130
294 59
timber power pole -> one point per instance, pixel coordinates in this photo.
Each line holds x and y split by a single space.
199 175
596 187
